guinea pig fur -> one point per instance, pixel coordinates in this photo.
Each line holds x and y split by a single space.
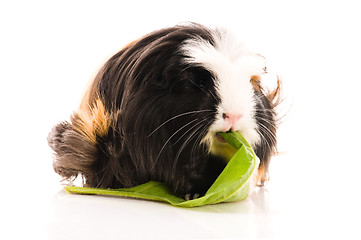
154 109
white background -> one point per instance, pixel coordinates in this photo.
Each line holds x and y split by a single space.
49 50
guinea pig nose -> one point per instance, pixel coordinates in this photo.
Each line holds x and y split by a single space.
231 117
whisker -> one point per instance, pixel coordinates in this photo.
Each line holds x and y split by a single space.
199 138
186 142
161 150
269 133
266 112
202 133
190 129
265 141
270 122
177 116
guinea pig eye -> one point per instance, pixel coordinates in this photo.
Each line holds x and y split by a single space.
199 78
201 82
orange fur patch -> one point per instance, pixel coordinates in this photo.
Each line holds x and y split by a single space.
275 95
262 176
93 121
256 83
130 44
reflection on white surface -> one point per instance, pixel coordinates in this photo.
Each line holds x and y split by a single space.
94 216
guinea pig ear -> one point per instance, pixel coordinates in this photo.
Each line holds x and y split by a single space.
274 96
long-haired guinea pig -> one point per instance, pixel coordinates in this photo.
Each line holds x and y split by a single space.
154 109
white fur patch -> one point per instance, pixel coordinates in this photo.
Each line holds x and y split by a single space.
232 64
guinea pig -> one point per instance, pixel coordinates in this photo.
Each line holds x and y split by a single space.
154 111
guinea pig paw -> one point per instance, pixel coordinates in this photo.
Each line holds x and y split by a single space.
190 196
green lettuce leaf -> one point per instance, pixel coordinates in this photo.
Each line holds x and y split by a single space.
231 185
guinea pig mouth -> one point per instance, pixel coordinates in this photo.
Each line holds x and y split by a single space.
220 138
